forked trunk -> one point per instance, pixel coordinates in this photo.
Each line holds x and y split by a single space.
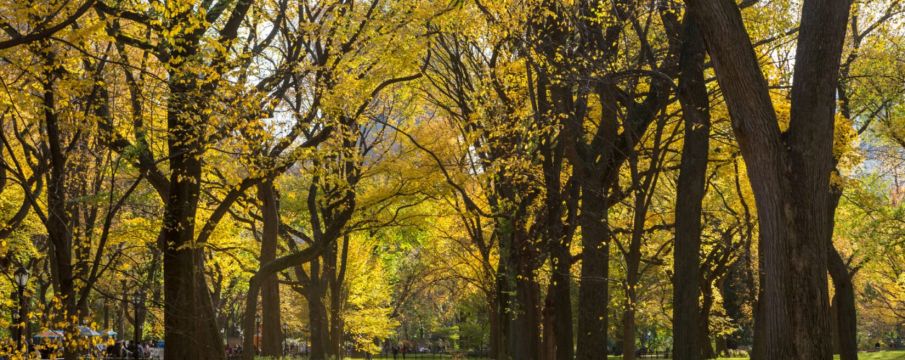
789 170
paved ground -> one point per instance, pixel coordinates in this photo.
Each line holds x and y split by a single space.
878 355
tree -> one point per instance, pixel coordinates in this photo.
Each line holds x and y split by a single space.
536 179
789 170
86 184
688 339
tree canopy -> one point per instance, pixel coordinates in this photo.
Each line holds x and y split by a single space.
507 179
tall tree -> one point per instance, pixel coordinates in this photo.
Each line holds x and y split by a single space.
789 171
687 337
194 74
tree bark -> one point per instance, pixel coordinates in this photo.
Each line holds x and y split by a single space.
522 308
633 254
318 324
789 172
628 324
593 292
549 339
687 338
562 304
494 315
525 340
271 334
502 305
557 240
248 319
846 325
337 297
58 231
704 347
845 317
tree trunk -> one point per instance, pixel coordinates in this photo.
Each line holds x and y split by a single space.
337 277
705 348
846 326
143 295
789 171
248 319
58 221
494 317
318 324
722 345
687 339
549 339
595 176
190 324
562 304
271 334
254 287
593 291
633 261
522 309
735 290
189 321
845 318
502 312
628 325
524 341
336 321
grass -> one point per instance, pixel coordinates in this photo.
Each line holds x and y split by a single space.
422 357
407 357
878 355
882 355
873 355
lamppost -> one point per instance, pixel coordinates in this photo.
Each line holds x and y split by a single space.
21 276
14 315
136 301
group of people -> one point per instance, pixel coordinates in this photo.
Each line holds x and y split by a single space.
127 349
400 350
233 350
120 349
